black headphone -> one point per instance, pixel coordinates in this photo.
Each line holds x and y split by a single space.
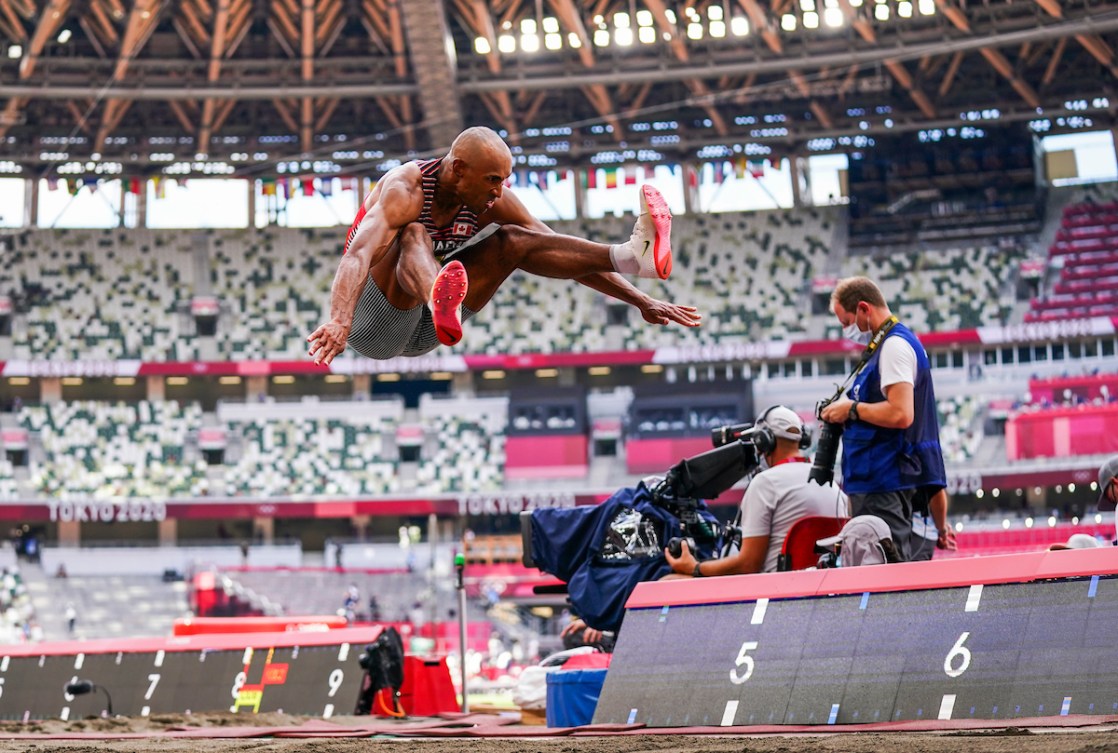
764 437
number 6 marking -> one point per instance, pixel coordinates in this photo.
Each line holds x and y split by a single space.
961 651
743 659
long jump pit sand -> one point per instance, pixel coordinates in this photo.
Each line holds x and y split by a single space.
503 733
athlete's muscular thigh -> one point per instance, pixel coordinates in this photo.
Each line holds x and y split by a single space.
490 262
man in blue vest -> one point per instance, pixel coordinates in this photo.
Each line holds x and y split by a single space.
891 452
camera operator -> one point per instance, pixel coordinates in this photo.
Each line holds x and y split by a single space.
776 497
891 449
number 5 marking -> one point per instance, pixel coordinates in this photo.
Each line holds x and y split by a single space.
961 651
744 659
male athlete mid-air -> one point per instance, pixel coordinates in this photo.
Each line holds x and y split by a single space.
438 237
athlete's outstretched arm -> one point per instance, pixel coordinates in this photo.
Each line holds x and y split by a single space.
652 309
396 202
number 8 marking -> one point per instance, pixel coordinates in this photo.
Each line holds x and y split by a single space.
743 659
961 651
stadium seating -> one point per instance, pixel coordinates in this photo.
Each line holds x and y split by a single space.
114 450
100 295
114 606
8 486
958 433
285 457
18 620
466 455
958 288
1085 251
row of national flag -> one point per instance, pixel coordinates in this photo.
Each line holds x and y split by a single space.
592 178
284 187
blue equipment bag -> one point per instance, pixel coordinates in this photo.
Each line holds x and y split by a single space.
603 551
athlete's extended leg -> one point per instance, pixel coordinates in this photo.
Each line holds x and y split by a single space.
647 253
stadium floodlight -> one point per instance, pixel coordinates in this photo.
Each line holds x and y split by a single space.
64 36
530 43
622 20
573 40
739 26
833 17
646 34
601 38
811 20
904 9
553 41
15 51
881 12
806 5
528 26
788 22
551 25
645 18
717 29
506 43
695 30
623 36
481 46
670 14
927 7
714 13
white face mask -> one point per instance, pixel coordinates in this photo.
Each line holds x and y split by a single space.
851 332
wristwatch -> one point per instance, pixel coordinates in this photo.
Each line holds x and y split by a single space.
697 573
854 411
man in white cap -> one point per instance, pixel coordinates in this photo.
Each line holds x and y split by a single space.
777 497
1108 490
1108 485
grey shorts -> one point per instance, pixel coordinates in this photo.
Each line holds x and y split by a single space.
381 331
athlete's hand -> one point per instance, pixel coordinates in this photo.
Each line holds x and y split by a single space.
662 312
327 341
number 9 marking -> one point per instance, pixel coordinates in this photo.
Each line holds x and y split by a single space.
744 659
961 651
335 682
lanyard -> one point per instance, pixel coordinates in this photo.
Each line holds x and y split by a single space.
867 354
792 459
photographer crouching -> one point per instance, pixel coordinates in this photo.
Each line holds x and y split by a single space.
887 418
777 496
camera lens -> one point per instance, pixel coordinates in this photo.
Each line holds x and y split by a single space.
826 453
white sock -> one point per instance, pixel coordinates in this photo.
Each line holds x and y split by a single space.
624 260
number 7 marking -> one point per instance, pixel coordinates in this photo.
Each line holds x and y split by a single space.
151 688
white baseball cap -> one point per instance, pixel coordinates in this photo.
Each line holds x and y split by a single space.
783 421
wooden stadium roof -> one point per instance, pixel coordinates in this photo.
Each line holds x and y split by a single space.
356 84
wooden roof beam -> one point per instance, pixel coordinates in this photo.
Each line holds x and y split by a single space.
141 23
50 20
110 119
396 37
567 13
759 20
664 24
997 60
306 54
285 115
1054 61
178 109
10 25
949 77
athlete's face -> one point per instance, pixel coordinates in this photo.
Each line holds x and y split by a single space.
483 180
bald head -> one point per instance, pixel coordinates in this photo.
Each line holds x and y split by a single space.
480 143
